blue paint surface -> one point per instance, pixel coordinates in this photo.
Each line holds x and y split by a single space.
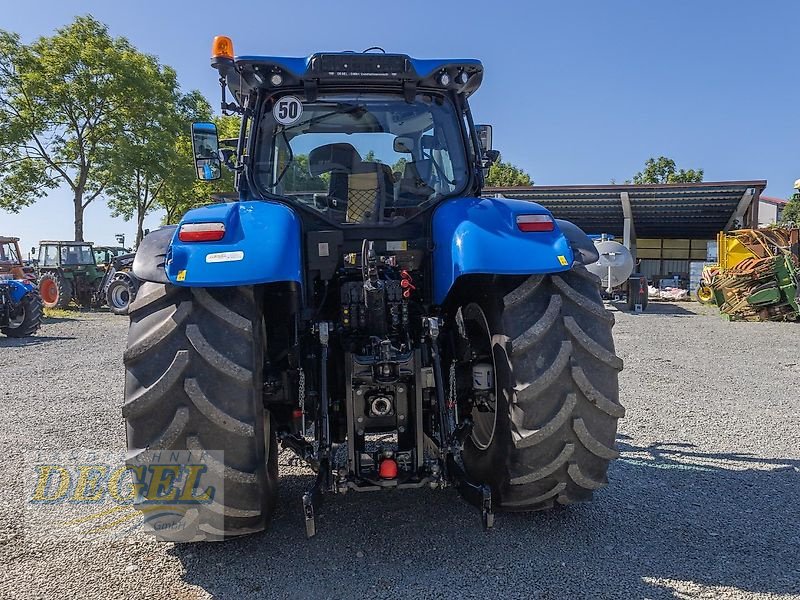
474 235
262 240
17 288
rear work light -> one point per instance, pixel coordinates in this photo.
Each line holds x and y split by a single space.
535 223
201 232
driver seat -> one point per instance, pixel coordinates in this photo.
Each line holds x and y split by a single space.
361 186
367 188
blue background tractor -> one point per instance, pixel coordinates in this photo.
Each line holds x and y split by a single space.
361 304
20 308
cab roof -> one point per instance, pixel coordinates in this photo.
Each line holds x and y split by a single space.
67 243
399 71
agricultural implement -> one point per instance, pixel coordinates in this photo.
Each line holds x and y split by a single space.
67 271
614 268
756 278
361 304
119 285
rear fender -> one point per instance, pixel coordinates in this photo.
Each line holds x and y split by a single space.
18 288
261 245
480 236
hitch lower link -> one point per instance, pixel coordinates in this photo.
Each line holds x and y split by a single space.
453 436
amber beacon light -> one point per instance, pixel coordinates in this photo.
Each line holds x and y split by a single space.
222 47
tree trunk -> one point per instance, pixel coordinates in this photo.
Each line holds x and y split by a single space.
78 203
139 228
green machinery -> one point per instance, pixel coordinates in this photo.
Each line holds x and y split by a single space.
68 270
761 282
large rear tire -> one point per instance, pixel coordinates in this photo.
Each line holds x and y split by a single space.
557 393
194 383
55 290
27 318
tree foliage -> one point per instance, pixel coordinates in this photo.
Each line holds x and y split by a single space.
791 212
504 174
145 159
66 102
663 170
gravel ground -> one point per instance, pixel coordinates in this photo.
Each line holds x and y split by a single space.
702 504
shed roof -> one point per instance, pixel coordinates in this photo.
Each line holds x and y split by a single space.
678 210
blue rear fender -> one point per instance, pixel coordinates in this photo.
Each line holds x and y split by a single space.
261 245
17 288
480 236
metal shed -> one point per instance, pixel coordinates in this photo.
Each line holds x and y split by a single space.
690 213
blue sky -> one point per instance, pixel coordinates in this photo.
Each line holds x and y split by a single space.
578 92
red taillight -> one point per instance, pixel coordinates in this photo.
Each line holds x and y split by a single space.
535 223
201 232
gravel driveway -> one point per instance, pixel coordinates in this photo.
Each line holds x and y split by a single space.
703 502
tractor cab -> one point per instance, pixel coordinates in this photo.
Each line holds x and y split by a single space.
11 259
352 139
105 255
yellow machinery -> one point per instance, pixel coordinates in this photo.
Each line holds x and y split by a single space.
756 276
730 252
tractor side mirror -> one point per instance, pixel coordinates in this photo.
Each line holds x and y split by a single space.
205 147
488 155
484 136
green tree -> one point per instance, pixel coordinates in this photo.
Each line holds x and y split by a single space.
504 174
400 165
144 159
663 170
791 212
64 105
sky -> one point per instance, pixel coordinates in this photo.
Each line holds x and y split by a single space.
578 92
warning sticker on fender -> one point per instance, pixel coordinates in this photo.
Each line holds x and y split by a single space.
218 257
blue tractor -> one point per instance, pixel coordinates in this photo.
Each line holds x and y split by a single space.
361 305
20 303
20 307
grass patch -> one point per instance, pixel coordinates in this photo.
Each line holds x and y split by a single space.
59 313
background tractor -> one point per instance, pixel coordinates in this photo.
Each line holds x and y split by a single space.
361 304
105 255
67 271
20 307
20 304
11 261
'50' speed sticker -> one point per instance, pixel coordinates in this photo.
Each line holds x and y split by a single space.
288 110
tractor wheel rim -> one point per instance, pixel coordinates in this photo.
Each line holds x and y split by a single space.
48 291
17 320
480 340
704 294
120 297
